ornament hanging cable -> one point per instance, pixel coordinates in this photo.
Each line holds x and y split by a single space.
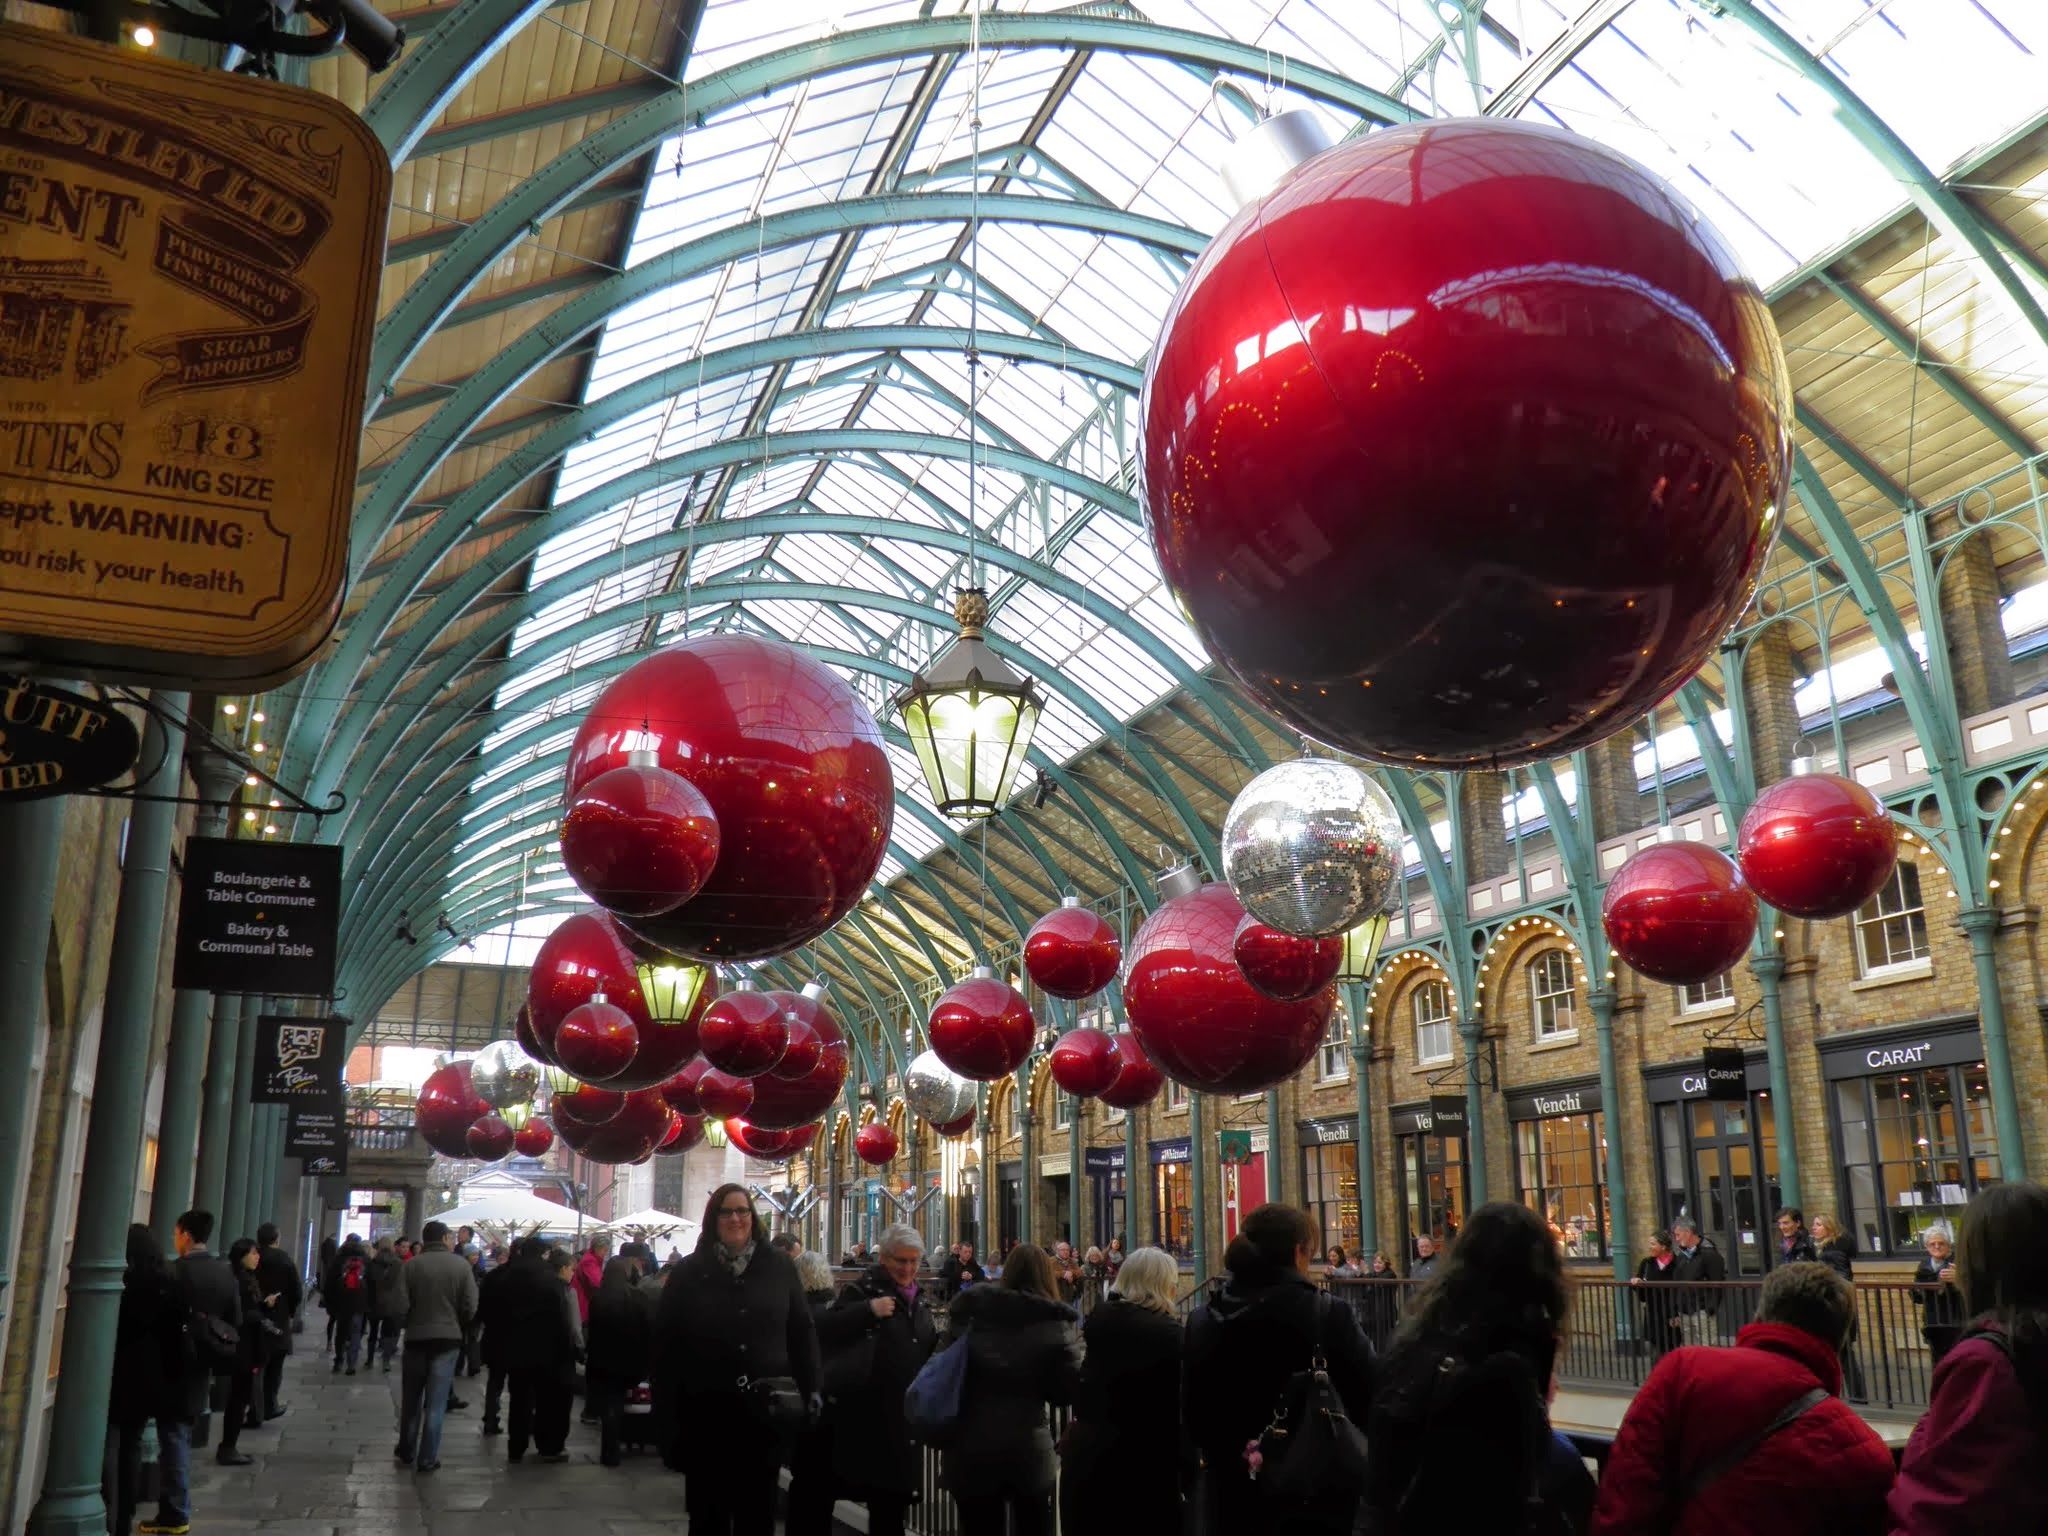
974 295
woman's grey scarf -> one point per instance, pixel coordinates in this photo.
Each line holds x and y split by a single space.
735 1259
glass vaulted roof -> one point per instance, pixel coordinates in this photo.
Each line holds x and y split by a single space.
819 492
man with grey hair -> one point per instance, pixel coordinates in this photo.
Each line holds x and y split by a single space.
1698 1272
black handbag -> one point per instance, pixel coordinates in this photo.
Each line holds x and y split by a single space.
1310 1454
774 1402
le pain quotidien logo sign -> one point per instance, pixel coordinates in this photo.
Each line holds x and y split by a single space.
188 271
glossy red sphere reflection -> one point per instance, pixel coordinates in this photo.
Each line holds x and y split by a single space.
982 1028
446 1108
1085 1062
589 953
723 1095
489 1138
529 1038
781 1102
769 1145
1071 952
596 1041
955 1128
1138 1081
684 1132
633 1133
534 1138
1282 965
744 1033
681 1089
875 1143
811 1027
1679 912
1817 845
1465 444
1199 1020
792 765
583 1107
639 840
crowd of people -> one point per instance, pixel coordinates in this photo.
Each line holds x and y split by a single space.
1051 1379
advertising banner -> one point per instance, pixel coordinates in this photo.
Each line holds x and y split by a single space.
258 917
298 1061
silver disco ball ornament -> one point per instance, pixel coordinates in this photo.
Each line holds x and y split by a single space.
504 1075
1312 847
935 1091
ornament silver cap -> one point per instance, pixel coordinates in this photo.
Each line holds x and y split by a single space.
816 989
1270 148
1181 880
643 757
982 973
1070 900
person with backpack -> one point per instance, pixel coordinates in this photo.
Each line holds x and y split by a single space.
1459 1435
1976 1464
1120 1457
1250 1354
382 1310
346 1288
1716 1437
209 1305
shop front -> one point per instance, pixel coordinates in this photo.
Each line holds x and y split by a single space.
1560 1142
1058 1201
1717 1160
1173 1197
1430 1183
1244 1181
1329 1180
1009 1213
1104 1167
1909 1123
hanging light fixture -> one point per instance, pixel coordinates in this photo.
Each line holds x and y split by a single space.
669 987
970 716
1362 947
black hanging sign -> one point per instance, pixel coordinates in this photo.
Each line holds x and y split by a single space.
298 1061
1447 1110
58 743
258 917
317 1128
328 1165
1727 1073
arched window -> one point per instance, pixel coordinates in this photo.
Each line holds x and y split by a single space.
1433 1021
1550 995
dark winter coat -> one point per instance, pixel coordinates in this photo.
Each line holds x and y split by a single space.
279 1277
1695 1277
531 1321
1839 1254
205 1285
1801 1251
258 1342
340 1301
1654 1298
1120 1464
1977 1464
1827 1469
1240 1352
149 1350
1941 1306
1022 1353
619 1338
491 1349
869 1362
714 1329
387 1295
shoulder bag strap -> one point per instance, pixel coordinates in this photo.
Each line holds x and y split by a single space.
1706 1476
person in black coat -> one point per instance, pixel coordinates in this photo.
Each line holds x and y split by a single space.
1696 1305
811 1487
205 1288
346 1287
1120 1460
149 1368
1242 1349
1653 1296
1940 1303
620 1337
493 1335
242 1410
732 1314
538 1345
1024 1351
279 1277
1835 1248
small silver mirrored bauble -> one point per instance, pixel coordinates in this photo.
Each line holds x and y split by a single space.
504 1075
935 1091
1311 847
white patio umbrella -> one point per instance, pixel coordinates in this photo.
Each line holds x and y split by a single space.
513 1212
650 1224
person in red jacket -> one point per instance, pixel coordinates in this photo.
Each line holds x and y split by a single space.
1978 1460
1754 1438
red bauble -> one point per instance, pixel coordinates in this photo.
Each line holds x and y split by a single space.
982 1028
1282 965
639 840
875 1143
446 1108
745 1033
723 1095
591 953
792 765
1199 1020
952 1128
533 1138
781 1102
1503 380
1085 1062
1679 912
811 1028
596 1041
628 1136
684 1132
681 1090
1137 1081
490 1138
529 1038
1071 952
1817 845
767 1145
583 1107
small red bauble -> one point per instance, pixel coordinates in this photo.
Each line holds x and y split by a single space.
1199 1020
769 1145
1137 1081
529 1038
596 1041
745 1032
811 1028
1282 965
639 840
1085 1062
953 1128
1679 912
584 1107
1817 845
875 1143
533 1138
681 1090
684 1132
446 1108
628 1136
723 1095
490 1138
1071 952
1396 495
793 767
586 954
781 1102
982 1028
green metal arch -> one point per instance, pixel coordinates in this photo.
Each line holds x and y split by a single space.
437 65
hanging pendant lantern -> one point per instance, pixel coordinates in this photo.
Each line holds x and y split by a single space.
1362 947
970 716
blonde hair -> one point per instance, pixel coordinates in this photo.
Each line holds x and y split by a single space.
1148 1279
1826 1219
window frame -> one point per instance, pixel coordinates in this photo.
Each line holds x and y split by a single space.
1686 1004
1872 917
1538 1195
1430 986
1336 1038
1562 1001
1858 1148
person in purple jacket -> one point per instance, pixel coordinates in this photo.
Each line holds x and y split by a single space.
1978 1461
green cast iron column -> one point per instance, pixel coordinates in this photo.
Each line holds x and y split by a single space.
1770 970
833 1248
1134 1187
177 1155
209 1187
1475 1105
1276 1180
241 1127
1198 1183
1981 924
1028 1172
71 1501
1368 1181
31 834
1618 1227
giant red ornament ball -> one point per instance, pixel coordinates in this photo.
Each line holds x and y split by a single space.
1679 912
529 1038
1465 444
982 1028
584 1107
681 1090
792 765
1138 1081
1817 845
684 1132
1282 965
589 953
596 1040
1199 1020
875 1143
1071 952
630 1135
951 1129
489 1138
533 1138
639 840
446 1108
1084 1062
769 1145
811 1026
781 1102
722 1095
745 1032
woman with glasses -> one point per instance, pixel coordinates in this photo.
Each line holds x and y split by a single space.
734 1344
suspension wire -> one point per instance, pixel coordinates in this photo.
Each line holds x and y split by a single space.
974 298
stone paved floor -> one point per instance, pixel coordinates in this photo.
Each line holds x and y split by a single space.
325 1469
